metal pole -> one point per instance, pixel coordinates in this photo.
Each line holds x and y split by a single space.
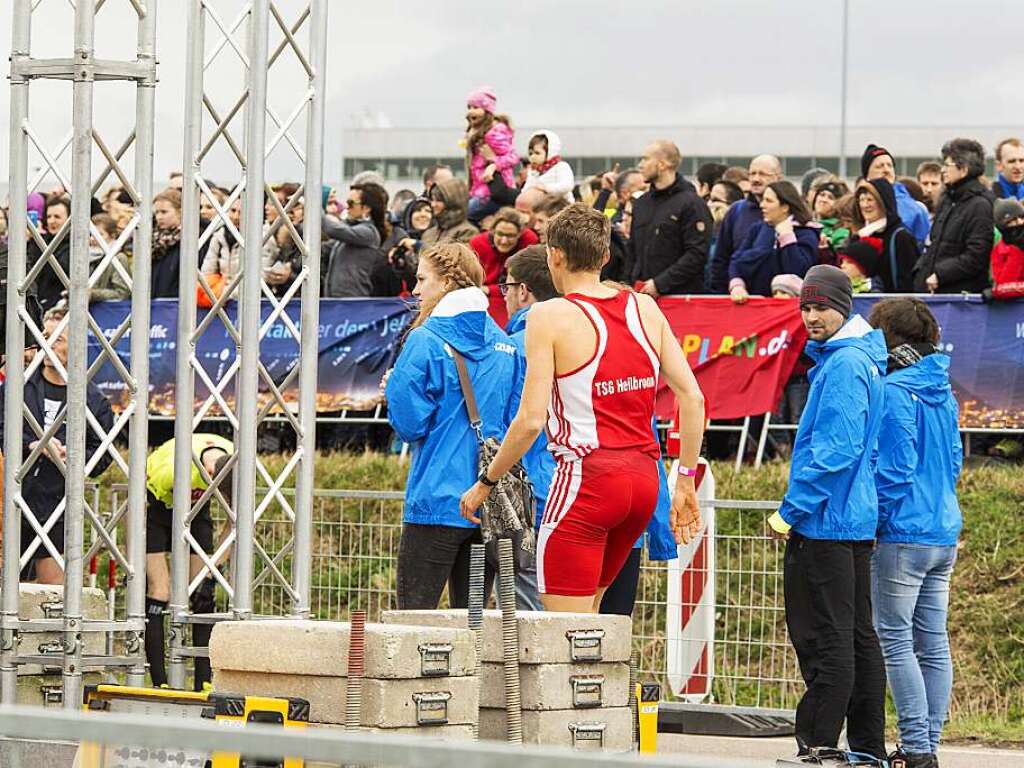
842 90
21 32
77 384
138 439
310 313
185 385
246 385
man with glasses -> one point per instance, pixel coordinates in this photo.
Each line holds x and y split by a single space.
354 252
740 219
508 234
528 282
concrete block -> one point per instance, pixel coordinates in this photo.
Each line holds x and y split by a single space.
46 601
559 686
303 647
386 703
595 729
326 695
544 637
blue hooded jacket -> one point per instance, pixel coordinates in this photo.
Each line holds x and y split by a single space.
919 457
913 213
831 492
427 410
760 258
539 463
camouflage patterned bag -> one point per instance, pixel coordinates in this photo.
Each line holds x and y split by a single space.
511 508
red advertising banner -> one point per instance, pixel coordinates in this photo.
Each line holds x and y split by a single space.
742 354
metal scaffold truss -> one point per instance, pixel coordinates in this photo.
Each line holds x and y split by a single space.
249 128
246 393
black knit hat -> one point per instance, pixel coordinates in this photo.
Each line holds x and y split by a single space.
828 286
865 255
870 153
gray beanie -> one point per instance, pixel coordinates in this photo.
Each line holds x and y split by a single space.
828 286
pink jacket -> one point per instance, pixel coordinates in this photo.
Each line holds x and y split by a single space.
501 139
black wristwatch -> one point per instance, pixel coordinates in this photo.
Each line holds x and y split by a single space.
485 480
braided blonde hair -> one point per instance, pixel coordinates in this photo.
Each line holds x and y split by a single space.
457 265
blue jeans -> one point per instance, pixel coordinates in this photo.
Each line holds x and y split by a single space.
910 594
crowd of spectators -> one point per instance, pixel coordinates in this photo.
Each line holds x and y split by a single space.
729 231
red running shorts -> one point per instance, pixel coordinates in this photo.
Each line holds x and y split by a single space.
596 510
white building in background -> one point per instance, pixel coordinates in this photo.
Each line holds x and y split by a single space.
402 154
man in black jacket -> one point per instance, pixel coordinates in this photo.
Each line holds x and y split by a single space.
957 258
43 486
671 230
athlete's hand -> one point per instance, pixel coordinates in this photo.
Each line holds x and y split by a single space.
684 519
650 289
471 501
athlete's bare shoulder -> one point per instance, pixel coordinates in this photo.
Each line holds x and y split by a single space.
650 314
554 311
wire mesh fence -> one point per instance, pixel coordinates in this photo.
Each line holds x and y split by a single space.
355 549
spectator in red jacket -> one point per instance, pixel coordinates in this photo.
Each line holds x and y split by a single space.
508 235
1008 253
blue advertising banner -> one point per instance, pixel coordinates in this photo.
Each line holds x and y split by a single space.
985 343
359 338
358 341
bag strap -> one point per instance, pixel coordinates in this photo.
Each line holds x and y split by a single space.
468 393
894 268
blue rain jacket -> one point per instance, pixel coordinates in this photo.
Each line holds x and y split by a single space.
831 492
913 213
661 543
539 463
919 457
427 410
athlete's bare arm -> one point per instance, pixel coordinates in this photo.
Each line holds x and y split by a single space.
685 516
543 324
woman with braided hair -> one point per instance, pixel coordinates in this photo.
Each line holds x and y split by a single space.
427 409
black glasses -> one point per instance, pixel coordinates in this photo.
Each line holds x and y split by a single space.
350 203
507 286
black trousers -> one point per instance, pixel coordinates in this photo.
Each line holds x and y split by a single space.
620 597
828 614
430 556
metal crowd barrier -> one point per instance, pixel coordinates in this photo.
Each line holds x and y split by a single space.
327 748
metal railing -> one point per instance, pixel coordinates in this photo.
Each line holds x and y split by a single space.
325 747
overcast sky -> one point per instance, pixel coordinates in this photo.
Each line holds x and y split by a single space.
576 62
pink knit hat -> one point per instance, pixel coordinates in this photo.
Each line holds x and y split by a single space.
483 97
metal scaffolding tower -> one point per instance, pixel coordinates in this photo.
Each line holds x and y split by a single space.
245 392
25 447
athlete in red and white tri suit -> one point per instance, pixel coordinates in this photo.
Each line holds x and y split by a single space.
605 486
593 360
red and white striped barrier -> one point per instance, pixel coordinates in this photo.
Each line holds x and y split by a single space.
690 615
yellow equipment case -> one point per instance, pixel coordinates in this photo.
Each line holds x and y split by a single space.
164 702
